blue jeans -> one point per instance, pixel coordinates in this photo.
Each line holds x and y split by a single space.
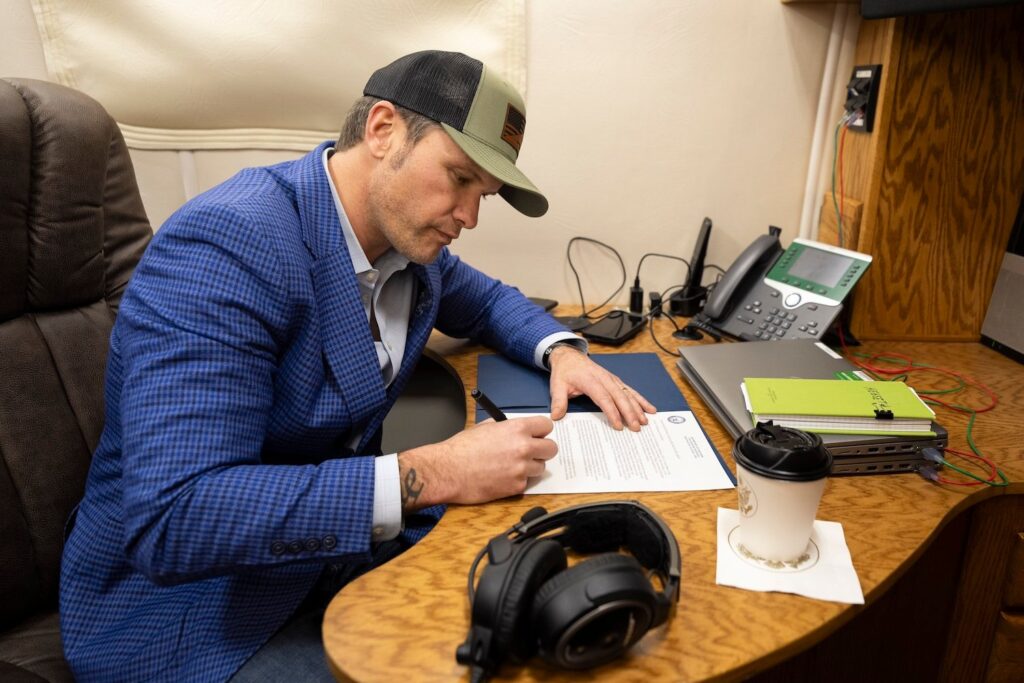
296 651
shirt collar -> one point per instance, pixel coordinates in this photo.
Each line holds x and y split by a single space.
389 262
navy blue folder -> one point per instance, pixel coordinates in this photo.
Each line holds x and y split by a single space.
516 388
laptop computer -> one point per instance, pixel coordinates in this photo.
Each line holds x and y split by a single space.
716 371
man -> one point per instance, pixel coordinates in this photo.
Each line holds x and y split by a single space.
265 334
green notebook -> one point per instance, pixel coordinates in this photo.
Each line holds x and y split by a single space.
834 406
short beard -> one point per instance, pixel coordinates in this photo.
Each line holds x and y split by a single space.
401 155
383 216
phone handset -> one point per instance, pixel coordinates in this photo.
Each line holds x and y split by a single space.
741 274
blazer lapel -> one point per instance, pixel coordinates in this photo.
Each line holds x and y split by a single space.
347 342
421 322
424 315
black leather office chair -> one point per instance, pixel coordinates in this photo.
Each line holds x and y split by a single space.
72 229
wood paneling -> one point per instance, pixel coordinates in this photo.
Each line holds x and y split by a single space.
828 229
993 537
1007 662
1013 596
878 42
894 638
943 180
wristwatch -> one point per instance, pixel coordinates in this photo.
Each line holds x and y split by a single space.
545 360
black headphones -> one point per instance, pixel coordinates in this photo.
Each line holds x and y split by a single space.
528 601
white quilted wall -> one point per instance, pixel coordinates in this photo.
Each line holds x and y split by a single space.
644 116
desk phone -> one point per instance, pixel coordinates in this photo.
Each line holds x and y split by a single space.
769 293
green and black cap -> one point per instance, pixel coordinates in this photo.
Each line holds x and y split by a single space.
482 113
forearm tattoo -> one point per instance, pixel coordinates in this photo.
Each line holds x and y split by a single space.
411 488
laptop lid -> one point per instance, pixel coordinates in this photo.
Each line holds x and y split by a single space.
716 372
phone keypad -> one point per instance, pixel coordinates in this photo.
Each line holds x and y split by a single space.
777 323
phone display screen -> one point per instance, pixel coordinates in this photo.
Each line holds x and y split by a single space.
821 267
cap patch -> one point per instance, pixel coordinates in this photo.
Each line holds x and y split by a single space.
514 129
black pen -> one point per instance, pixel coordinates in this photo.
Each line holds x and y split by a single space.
488 405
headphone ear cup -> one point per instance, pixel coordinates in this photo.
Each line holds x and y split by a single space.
592 612
536 562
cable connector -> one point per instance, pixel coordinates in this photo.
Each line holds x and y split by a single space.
928 472
655 304
932 455
636 297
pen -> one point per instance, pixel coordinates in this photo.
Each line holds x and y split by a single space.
488 405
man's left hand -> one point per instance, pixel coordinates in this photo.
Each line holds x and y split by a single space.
574 374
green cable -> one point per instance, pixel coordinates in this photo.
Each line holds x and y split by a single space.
835 202
961 384
975 449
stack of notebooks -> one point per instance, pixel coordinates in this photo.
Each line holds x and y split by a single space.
717 373
838 406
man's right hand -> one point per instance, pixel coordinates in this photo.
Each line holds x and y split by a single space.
488 461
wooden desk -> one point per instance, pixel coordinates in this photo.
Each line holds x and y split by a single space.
404 620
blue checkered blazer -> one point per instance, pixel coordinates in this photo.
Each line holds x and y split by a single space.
240 361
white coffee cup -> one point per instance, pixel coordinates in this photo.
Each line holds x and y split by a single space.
781 475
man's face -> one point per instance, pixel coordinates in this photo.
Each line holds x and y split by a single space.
420 198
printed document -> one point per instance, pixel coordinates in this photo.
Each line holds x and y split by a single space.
670 453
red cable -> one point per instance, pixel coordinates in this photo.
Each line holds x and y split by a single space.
908 368
964 454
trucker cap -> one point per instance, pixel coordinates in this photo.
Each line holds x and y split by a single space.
483 114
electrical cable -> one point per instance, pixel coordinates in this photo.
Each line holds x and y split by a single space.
650 328
636 293
842 199
835 162
584 313
668 256
904 367
668 315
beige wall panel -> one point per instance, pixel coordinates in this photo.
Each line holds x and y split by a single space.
159 176
213 167
249 73
644 118
162 175
21 53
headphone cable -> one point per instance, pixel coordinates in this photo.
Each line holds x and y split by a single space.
472 575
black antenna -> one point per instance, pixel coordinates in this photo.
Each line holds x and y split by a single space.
689 300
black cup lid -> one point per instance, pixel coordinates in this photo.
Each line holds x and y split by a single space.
782 453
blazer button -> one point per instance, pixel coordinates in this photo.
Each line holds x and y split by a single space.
295 547
277 548
312 544
329 542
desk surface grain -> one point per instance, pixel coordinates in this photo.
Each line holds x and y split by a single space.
404 620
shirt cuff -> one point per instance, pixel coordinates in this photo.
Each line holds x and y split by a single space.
577 341
387 499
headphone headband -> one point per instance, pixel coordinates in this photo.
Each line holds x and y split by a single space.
529 600
581 520
669 562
